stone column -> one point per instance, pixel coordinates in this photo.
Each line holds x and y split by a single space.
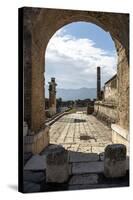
98 83
57 168
115 161
52 96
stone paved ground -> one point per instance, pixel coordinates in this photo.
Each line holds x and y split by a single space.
85 139
80 133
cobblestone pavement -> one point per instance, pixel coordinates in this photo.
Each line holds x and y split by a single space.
80 133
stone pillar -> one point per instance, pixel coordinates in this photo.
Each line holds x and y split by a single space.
98 83
52 96
57 168
115 161
36 138
27 75
123 89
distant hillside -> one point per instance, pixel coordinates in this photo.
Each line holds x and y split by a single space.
73 94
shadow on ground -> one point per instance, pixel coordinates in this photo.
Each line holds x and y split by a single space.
13 187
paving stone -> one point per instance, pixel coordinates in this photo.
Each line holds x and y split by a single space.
73 148
89 167
35 177
82 157
37 162
98 149
84 149
86 125
31 187
84 179
66 146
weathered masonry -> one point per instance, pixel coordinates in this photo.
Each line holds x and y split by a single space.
98 83
52 96
106 108
39 26
110 90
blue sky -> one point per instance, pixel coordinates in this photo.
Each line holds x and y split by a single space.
74 52
91 31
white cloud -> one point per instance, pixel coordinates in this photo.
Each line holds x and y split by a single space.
74 60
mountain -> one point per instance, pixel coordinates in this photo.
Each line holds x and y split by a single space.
74 94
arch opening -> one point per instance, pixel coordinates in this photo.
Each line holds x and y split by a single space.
41 25
84 134
72 57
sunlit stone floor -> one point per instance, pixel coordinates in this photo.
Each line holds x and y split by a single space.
80 133
85 139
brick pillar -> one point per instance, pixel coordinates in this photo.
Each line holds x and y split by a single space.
98 83
52 96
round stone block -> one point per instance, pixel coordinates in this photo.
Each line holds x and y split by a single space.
57 168
115 161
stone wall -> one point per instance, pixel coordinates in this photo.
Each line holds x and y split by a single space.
106 112
106 109
36 143
123 89
120 136
111 91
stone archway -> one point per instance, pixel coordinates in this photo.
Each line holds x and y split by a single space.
39 26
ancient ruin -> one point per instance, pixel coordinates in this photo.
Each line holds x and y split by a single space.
52 96
106 107
98 83
82 135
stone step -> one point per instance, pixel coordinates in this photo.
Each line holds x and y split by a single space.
31 187
82 157
79 163
36 163
84 179
34 176
88 167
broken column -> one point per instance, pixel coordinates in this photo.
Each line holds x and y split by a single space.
115 161
98 83
57 167
52 96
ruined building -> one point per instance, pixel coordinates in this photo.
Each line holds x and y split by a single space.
39 26
106 108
